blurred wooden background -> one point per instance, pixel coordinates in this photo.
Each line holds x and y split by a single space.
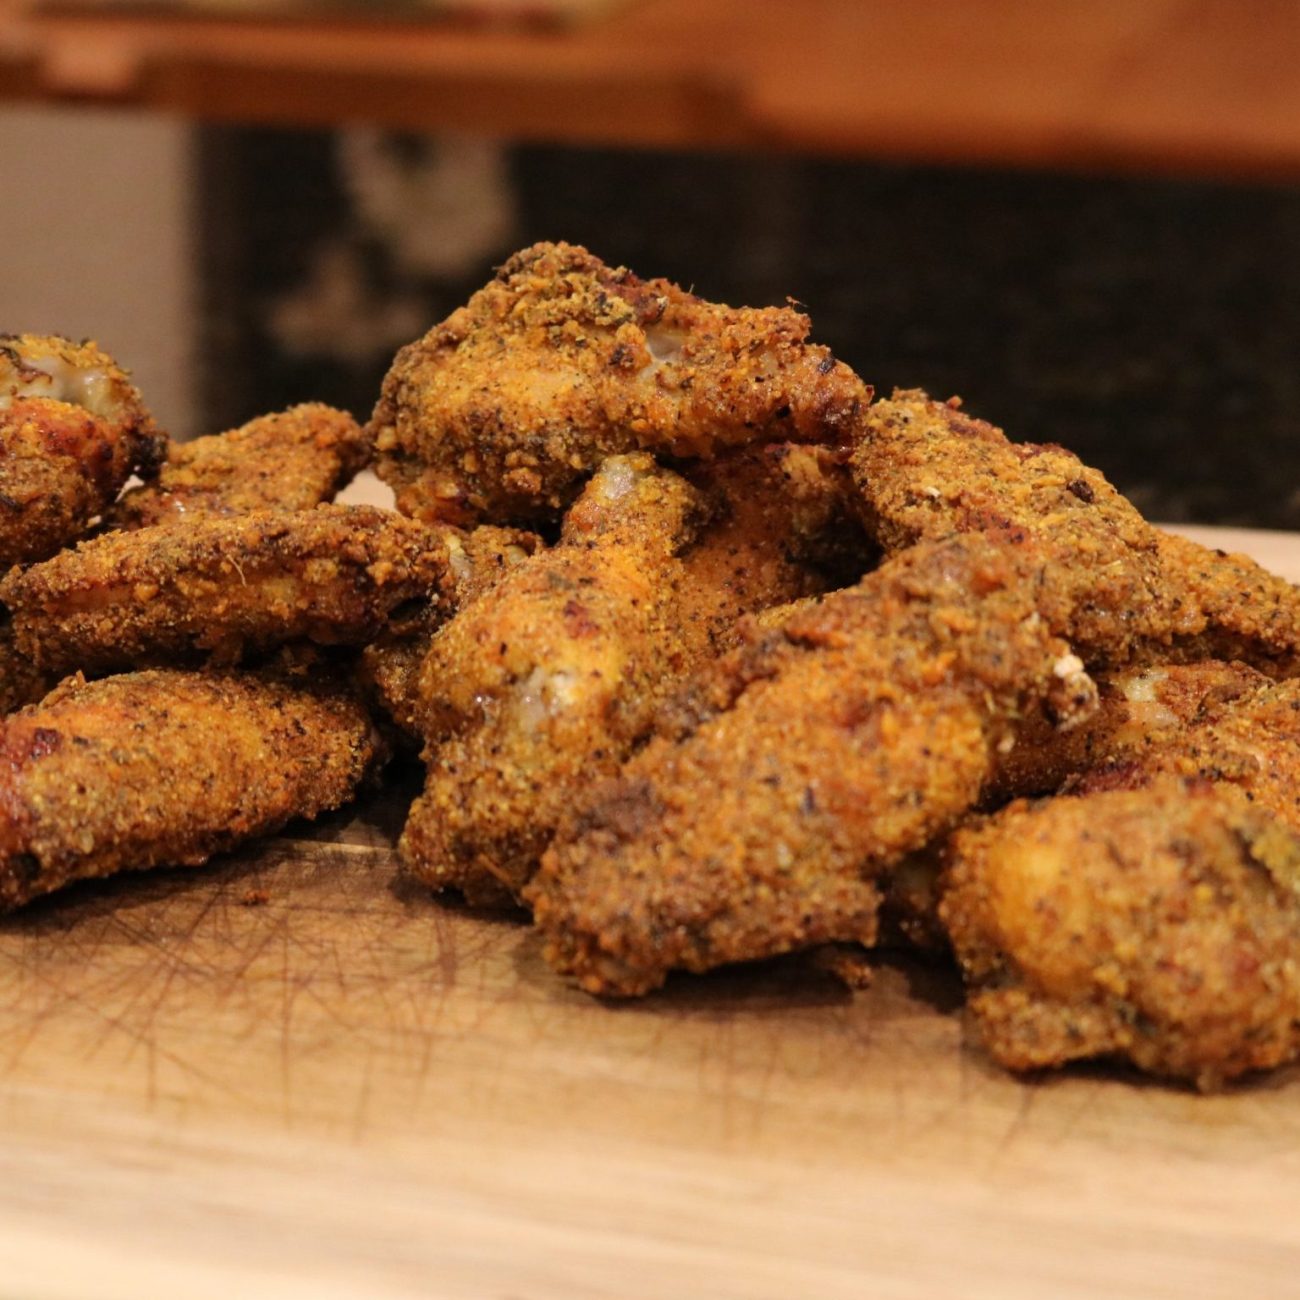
1165 84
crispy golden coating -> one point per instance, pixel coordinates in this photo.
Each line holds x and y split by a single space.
72 431
1251 741
926 470
1141 712
291 460
823 752
551 680
1139 708
1160 925
164 768
502 410
784 530
546 680
222 588
21 682
389 666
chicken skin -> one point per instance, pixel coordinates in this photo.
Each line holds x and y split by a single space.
1159 925
291 460
501 412
72 431
221 588
926 470
162 768
552 679
823 752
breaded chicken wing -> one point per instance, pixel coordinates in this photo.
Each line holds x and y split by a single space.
165 769
544 679
389 666
501 412
72 431
291 460
1140 712
551 680
927 470
1251 741
1159 925
823 753
221 588
1139 708
21 682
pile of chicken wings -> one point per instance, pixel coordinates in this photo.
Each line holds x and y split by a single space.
708 657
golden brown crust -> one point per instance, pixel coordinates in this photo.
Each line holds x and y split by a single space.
553 680
21 681
164 768
290 460
1251 741
547 680
72 431
222 587
1121 590
389 667
824 751
502 410
1139 708
1159 925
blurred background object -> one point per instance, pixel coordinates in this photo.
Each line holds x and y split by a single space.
1083 218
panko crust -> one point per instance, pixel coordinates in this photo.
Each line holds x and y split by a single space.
73 429
21 681
166 768
1251 741
222 588
1159 925
500 412
288 460
817 757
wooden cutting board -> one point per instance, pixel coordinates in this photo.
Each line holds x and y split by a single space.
289 1075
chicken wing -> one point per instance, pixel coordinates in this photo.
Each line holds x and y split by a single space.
824 752
503 410
1139 711
926 470
72 431
1158 925
291 460
1251 741
389 666
552 679
1139 708
21 682
221 588
163 768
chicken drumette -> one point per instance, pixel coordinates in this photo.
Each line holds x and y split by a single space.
503 410
549 680
72 431
812 761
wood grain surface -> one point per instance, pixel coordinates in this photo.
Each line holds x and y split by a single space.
290 1074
